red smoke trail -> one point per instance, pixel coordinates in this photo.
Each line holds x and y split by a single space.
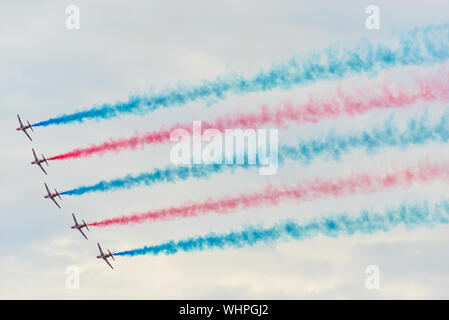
309 190
360 101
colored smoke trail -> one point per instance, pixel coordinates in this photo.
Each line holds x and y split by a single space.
309 190
362 100
418 132
419 46
170 174
366 222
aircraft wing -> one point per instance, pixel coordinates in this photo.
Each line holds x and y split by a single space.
74 219
34 153
46 187
101 251
55 202
105 259
20 121
82 233
40 166
24 130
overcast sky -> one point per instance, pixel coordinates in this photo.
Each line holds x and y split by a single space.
144 46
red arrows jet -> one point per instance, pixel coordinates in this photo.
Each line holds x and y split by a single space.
79 227
39 161
24 128
52 196
105 256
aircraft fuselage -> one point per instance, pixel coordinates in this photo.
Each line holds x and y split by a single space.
37 162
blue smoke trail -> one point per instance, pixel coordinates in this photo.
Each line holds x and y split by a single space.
419 46
418 132
366 222
170 174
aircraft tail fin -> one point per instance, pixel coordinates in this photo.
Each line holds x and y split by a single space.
112 256
45 159
57 193
85 224
31 127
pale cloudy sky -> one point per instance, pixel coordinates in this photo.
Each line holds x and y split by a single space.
134 47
